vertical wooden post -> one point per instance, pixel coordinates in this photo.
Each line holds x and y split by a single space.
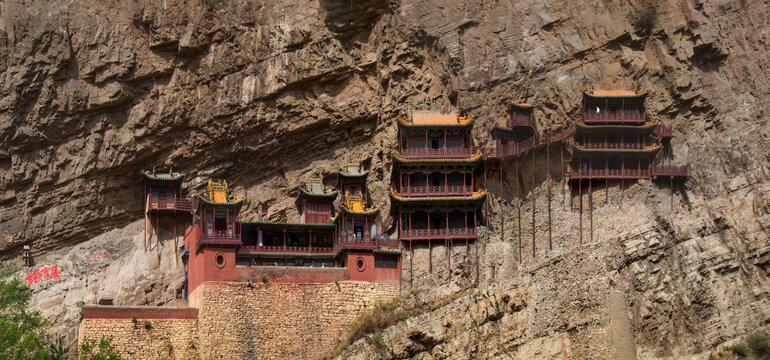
548 167
518 206
411 263
591 209
502 201
671 181
580 212
430 251
284 239
534 196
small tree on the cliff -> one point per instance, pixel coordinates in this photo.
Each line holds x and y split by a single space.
21 330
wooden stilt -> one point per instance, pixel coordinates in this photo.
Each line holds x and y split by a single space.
606 190
580 199
590 210
534 196
476 245
430 254
518 206
548 161
502 201
671 181
411 263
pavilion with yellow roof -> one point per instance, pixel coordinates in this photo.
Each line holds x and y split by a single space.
434 194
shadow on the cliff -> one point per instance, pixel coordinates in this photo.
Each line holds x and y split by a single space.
348 18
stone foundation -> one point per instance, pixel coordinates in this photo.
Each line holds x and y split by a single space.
236 320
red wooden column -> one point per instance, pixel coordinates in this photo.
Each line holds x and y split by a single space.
284 239
310 240
580 212
411 262
591 209
449 250
502 214
534 196
548 170
607 180
430 248
518 205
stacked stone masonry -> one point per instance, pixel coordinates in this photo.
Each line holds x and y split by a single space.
279 320
165 338
236 320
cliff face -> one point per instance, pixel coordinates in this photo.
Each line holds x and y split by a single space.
265 93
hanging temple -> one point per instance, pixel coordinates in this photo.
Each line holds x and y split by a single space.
438 194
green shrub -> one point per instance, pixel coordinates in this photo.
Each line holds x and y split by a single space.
147 325
103 350
759 343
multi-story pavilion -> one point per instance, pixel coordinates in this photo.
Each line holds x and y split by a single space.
434 197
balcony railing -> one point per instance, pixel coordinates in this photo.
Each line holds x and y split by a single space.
663 131
615 146
609 174
437 153
670 170
170 203
520 148
521 120
289 249
425 234
614 118
220 238
449 190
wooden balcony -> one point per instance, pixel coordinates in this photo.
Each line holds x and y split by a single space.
663 131
614 118
670 171
427 153
289 249
220 238
521 120
159 203
434 234
609 174
448 190
615 146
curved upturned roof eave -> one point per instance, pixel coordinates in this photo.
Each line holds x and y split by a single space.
629 95
473 158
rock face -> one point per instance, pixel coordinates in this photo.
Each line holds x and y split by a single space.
264 93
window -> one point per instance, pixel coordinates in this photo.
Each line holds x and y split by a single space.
385 262
358 230
220 260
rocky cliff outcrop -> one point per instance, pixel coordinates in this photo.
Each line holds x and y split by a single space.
265 93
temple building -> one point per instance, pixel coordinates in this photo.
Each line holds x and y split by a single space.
326 245
434 196
615 139
164 204
358 244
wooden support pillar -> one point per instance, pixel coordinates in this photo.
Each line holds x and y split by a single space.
671 181
157 232
590 210
502 201
284 239
176 244
548 167
476 245
561 164
518 207
580 211
411 263
534 196
430 251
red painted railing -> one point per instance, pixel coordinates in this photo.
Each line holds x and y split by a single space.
289 249
220 238
437 153
519 148
449 190
424 234
614 118
609 174
521 120
170 203
670 170
615 146
663 131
